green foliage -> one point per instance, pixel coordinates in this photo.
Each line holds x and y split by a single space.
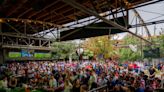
100 46
88 53
63 50
161 42
127 53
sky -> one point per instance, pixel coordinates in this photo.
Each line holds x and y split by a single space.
149 13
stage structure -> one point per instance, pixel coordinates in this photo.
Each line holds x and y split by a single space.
24 24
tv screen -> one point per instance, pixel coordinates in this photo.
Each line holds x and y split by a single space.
47 55
26 53
14 54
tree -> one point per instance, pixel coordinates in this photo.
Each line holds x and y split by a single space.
88 53
64 50
101 46
162 45
127 53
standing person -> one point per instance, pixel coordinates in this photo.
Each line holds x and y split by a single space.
152 72
26 74
13 82
84 88
52 82
76 86
102 80
92 80
67 86
3 83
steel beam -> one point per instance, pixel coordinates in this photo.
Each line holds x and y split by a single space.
33 29
10 39
51 11
142 22
137 6
27 47
56 1
20 42
90 12
22 36
50 31
74 31
138 15
101 27
30 21
12 28
24 12
14 8
147 24
44 43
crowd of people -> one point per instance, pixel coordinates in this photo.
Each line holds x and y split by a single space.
82 76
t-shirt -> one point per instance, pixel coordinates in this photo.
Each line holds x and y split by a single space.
139 90
152 71
53 83
3 84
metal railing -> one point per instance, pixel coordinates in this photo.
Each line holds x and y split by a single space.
103 88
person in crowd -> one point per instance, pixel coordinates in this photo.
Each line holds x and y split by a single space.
13 82
102 80
84 88
67 85
4 83
52 82
76 86
75 77
152 72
